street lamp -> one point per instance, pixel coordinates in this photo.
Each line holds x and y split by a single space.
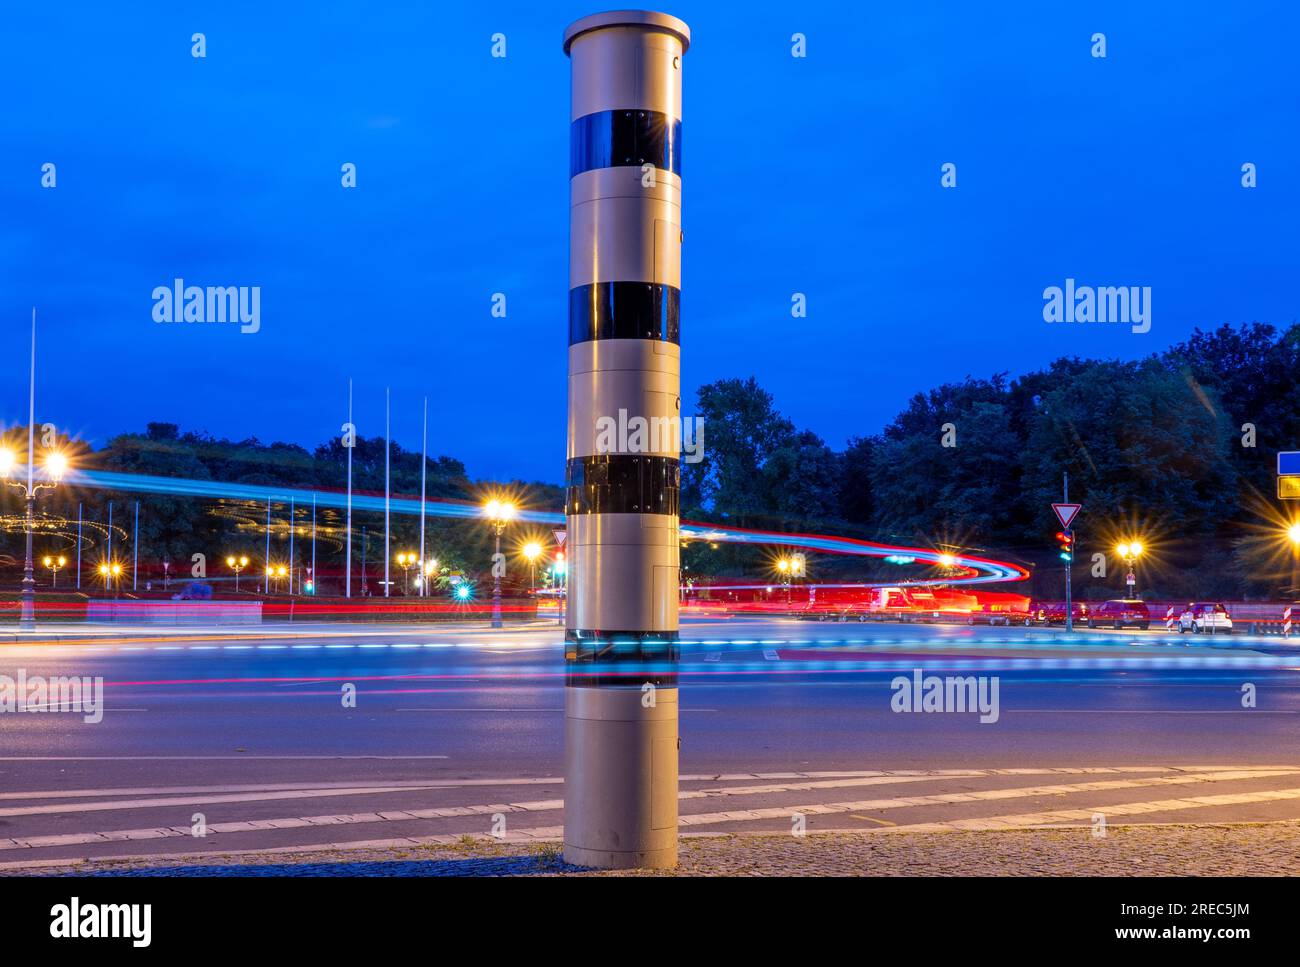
56 465
532 550
54 563
108 572
237 564
499 513
1129 552
406 562
275 572
786 567
426 577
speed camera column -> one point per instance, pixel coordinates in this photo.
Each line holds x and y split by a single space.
623 475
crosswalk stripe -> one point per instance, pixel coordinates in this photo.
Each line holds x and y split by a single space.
696 819
1020 820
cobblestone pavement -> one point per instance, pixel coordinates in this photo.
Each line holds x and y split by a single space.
1255 849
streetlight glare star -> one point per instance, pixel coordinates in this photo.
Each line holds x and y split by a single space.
56 464
1122 550
1293 532
7 461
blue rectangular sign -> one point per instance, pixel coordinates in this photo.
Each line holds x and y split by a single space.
1288 462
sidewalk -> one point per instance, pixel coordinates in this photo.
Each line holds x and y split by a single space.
1246 849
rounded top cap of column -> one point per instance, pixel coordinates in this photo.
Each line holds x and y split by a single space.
628 18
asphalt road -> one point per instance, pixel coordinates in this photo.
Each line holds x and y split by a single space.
244 734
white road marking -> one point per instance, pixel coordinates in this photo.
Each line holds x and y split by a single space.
203 800
1051 819
698 819
197 758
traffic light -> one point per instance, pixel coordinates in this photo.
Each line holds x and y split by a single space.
1066 541
560 566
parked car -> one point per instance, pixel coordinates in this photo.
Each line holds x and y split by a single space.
1053 613
996 615
1123 613
1205 617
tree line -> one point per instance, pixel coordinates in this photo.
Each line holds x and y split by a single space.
1177 449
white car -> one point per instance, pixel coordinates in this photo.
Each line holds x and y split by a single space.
1205 619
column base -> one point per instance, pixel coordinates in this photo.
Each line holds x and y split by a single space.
620 777
658 859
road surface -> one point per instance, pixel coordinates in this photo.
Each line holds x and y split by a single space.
243 735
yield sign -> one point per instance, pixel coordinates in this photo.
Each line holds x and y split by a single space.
560 536
1065 513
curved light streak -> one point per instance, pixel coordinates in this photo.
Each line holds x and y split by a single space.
974 570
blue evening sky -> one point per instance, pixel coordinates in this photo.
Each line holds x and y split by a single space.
818 175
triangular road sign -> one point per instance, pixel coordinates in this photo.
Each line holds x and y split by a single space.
560 536
1065 513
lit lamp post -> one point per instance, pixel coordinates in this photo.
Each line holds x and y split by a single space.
54 563
784 565
56 464
1129 553
108 572
236 564
532 550
274 573
406 562
427 575
499 513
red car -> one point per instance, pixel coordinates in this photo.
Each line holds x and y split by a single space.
1053 613
1121 614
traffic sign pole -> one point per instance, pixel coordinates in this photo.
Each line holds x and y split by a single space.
1069 565
1066 512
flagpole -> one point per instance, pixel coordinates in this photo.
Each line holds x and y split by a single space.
388 449
351 436
424 462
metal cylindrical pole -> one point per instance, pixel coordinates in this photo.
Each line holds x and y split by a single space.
347 557
27 615
109 583
388 451
621 739
496 579
266 582
292 522
424 464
